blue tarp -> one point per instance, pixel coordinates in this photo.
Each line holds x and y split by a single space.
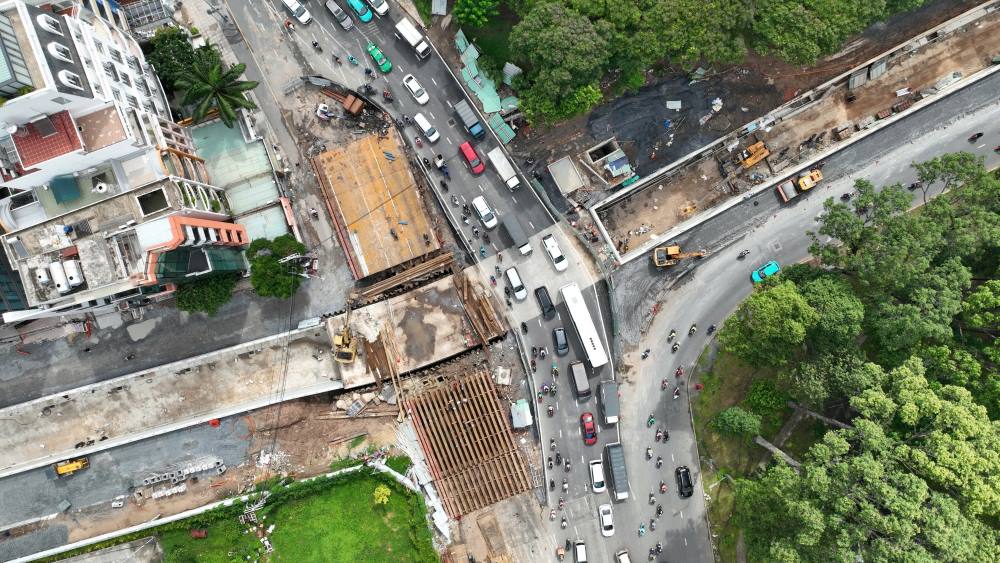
64 188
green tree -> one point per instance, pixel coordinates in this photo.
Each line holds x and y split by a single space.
561 51
737 422
171 54
205 295
911 481
801 32
840 313
832 374
381 494
210 86
770 327
475 13
268 275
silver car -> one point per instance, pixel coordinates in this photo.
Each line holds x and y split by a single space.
341 16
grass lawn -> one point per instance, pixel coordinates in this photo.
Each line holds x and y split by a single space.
727 385
424 9
338 523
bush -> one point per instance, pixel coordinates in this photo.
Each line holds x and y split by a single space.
206 295
764 398
269 277
736 422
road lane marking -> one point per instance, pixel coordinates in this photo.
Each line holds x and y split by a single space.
434 81
685 542
672 458
432 115
514 199
682 514
449 140
531 225
449 103
481 188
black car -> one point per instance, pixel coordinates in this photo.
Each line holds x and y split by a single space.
559 338
685 484
545 303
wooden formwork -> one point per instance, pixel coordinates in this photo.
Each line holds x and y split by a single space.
464 431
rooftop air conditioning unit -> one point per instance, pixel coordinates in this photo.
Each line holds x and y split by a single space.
100 188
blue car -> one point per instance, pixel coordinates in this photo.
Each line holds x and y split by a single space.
765 271
359 7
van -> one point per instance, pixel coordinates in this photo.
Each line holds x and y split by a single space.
298 11
515 283
609 401
406 31
545 303
486 214
430 133
579 373
516 232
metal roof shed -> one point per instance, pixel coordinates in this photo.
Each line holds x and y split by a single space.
565 175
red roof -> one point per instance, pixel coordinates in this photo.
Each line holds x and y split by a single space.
37 143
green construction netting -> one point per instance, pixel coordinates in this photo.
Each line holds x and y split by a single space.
500 127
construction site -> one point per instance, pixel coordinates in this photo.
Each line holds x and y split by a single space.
776 145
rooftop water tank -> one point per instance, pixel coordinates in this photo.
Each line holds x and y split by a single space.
73 272
59 277
42 276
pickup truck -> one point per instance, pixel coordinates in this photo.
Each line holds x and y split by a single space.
504 168
469 119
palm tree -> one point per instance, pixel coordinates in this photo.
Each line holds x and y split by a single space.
210 86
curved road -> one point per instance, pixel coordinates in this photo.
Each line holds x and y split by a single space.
719 283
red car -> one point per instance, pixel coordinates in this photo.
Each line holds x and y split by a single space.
589 428
475 163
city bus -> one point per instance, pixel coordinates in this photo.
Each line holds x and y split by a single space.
584 325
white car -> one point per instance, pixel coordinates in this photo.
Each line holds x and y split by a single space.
516 285
555 253
597 476
380 7
486 214
607 519
419 94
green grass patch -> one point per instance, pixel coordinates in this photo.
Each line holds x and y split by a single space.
807 433
424 9
720 509
400 463
226 541
344 463
344 524
356 442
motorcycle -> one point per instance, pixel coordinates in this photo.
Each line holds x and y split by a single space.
645 353
659 462
352 60
418 142
493 280
659 547
454 200
565 485
652 524
524 328
711 329
845 197
534 352
675 347
559 458
652 498
482 252
659 510
552 514
566 465
562 503
693 329
551 411
650 421
744 254
465 219
642 530
337 60
649 453
663 487
444 185
552 484
552 390
659 435
564 523
533 371
677 392
552 445
673 333
679 372
387 95
550 463
317 46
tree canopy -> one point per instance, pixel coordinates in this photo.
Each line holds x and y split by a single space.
206 295
895 336
209 85
268 275
589 39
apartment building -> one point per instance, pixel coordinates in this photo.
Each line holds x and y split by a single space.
86 136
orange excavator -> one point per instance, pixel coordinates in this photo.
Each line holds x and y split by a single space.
664 256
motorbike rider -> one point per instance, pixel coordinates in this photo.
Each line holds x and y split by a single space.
649 452
693 329
659 462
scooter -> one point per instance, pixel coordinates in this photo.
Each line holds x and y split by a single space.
677 392
551 411
659 462
679 372
418 142
649 453
566 465
552 484
650 421
645 353
652 498
565 485
711 329
663 384
559 458
744 254
675 347
317 46
352 60
693 329
672 334
454 200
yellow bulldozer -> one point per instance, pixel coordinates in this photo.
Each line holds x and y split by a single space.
664 256
345 347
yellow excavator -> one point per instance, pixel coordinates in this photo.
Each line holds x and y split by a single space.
345 347
68 467
664 256
753 154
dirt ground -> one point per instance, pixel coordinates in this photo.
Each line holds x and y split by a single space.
747 90
662 206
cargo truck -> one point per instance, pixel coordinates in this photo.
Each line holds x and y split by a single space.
504 168
406 31
616 463
469 120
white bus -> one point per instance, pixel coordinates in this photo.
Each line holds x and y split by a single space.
584 325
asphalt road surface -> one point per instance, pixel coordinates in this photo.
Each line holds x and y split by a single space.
721 281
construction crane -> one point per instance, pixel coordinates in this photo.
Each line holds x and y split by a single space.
753 154
345 347
664 256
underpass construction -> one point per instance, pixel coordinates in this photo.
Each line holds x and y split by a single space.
402 334
800 133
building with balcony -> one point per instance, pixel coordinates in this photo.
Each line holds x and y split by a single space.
126 248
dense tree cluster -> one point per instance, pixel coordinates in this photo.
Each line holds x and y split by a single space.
269 276
588 39
896 336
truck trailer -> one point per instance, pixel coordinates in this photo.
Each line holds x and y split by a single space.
469 119
504 168
619 475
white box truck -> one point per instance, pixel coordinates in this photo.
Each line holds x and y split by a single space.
504 168
406 31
